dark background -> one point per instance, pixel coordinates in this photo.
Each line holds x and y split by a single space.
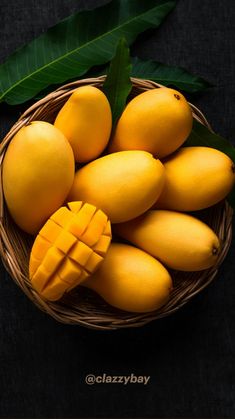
190 355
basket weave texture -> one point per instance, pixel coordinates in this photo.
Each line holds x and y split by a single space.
82 306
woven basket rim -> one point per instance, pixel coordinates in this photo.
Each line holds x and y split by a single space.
14 245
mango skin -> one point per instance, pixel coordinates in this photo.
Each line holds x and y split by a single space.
157 121
196 178
124 184
178 240
38 172
131 280
86 121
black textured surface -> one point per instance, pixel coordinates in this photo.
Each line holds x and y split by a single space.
191 355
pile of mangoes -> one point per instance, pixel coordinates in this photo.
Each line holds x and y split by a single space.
135 179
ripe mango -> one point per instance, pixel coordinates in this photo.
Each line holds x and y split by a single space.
157 121
38 172
196 178
123 184
70 246
86 122
131 280
178 240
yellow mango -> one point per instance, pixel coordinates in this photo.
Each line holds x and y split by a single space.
131 280
123 185
38 172
196 178
178 240
157 121
86 121
62 257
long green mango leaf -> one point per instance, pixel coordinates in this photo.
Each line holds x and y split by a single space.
117 85
152 70
202 136
72 47
167 75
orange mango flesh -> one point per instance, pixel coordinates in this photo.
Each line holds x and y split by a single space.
69 247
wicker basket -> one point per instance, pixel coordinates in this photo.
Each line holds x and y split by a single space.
82 306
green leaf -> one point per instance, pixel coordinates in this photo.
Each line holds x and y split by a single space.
202 136
160 73
168 76
117 85
231 198
72 47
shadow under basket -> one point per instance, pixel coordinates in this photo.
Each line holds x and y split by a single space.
82 306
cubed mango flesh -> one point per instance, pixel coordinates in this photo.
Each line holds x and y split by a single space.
69 247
